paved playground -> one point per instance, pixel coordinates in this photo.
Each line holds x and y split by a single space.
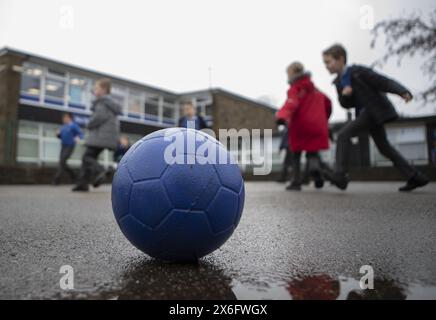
288 245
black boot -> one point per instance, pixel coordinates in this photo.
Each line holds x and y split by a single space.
319 180
340 180
99 179
294 187
80 188
417 181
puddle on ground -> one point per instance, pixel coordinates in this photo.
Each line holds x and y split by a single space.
324 287
150 279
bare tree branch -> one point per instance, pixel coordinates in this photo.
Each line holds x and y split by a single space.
408 37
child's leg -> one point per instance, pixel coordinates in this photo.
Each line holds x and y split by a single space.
314 160
89 163
378 133
296 166
69 152
351 129
286 164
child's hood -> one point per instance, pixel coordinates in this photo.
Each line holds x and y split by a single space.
110 104
304 83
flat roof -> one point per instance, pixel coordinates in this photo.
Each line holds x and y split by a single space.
42 59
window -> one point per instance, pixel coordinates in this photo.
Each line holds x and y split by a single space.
204 106
208 110
37 143
28 148
31 81
135 105
55 84
28 128
119 94
50 130
168 112
78 92
152 108
28 143
410 141
54 89
51 149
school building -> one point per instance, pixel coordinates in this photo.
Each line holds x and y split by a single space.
35 91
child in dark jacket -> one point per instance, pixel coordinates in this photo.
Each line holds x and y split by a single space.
365 90
191 119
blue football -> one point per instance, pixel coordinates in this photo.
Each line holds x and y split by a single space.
177 194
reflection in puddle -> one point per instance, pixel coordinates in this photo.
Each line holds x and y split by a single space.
147 279
150 279
324 287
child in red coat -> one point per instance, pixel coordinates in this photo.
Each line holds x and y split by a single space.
306 111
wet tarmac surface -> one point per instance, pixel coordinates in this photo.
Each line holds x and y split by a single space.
308 245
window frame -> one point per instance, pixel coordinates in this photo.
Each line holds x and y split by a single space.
51 100
140 95
38 97
86 96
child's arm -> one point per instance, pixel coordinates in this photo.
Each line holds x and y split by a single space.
382 82
346 101
291 104
78 131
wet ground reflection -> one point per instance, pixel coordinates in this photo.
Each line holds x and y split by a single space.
151 279
324 287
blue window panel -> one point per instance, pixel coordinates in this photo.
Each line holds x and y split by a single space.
151 117
54 101
168 121
29 97
77 106
134 115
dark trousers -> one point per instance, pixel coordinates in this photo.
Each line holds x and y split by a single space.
286 164
66 152
313 166
364 123
90 166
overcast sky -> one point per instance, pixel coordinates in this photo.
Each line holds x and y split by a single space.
173 44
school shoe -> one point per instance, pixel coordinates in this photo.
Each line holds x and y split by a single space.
340 180
99 179
80 188
294 187
417 181
327 173
319 180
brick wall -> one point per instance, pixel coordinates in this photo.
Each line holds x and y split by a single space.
9 98
230 112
